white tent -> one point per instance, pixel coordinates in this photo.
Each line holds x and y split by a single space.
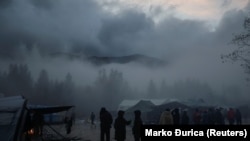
126 104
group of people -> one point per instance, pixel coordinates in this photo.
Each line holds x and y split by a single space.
217 116
210 116
120 124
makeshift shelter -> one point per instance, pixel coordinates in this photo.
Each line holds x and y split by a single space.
144 106
51 117
53 114
13 118
126 104
196 103
157 102
16 123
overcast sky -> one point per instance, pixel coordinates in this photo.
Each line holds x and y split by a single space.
191 35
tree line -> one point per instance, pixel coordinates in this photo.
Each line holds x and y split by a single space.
108 89
17 80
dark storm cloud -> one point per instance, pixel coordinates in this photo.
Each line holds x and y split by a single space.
5 3
231 24
81 26
119 33
46 4
50 25
133 32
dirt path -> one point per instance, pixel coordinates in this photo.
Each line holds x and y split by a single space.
87 132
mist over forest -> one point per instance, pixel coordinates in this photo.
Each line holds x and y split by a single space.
89 88
93 54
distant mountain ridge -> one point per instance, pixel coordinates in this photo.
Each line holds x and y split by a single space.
136 58
103 60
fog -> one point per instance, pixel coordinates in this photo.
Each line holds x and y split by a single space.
32 32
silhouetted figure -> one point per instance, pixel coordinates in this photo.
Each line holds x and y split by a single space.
238 117
92 118
68 124
166 118
106 121
38 122
197 116
219 120
231 116
136 129
28 126
73 116
120 126
184 118
211 116
204 117
176 116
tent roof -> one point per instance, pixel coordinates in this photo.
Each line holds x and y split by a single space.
9 107
172 105
11 116
142 105
158 101
126 104
50 109
195 102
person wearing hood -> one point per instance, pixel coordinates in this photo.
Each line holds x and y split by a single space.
166 118
106 121
136 129
120 126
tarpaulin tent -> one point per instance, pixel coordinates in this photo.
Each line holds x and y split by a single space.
52 114
16 121
13 118
144 106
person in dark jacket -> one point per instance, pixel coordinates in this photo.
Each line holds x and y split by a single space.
136 129
231 116
238 117
176 116
68 124
120 126
184 118
106 122
92 118
38 122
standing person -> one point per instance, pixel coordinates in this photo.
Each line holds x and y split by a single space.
176 116
219 120
120 126
38 122
184 118
136 129
106 121
166 118
238 117
73 116
92 118
231 116
197 116
68 124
